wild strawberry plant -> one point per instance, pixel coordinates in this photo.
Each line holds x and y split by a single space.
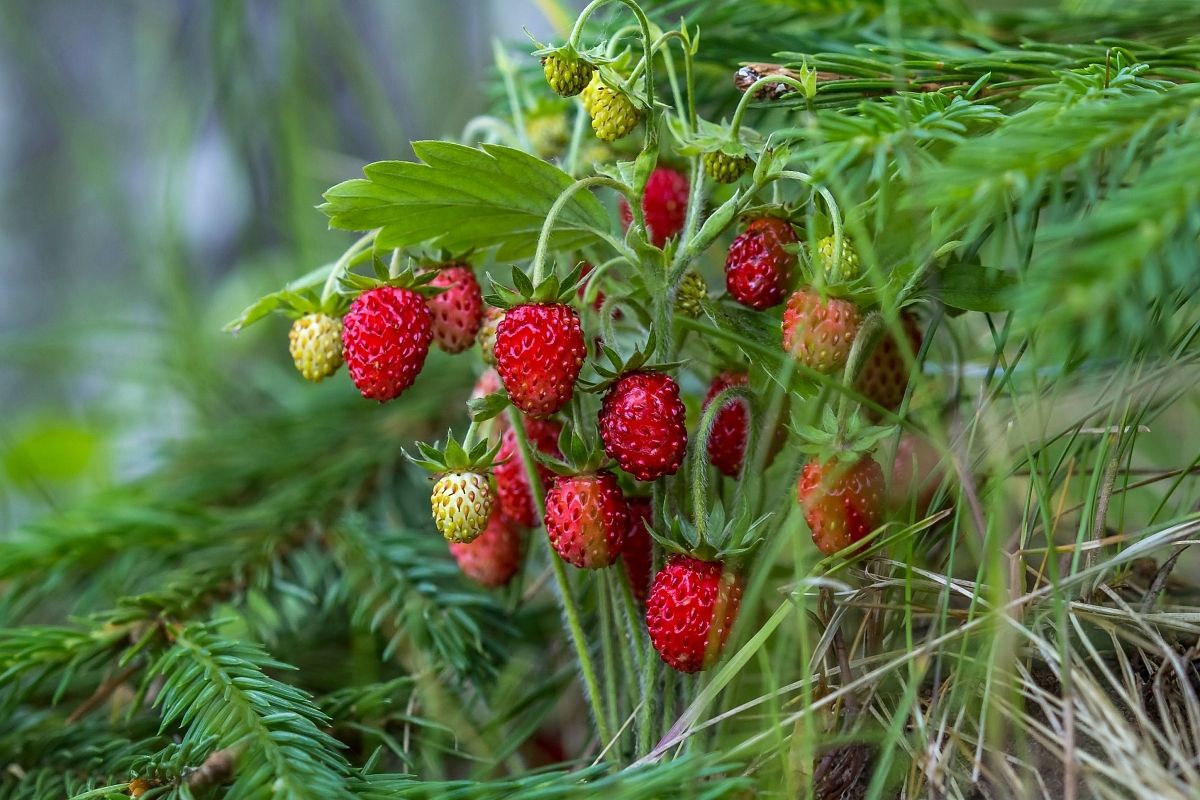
820 445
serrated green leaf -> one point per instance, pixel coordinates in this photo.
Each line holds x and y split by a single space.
461 197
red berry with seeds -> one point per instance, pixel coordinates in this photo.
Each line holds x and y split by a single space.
690 611
664 205
587 519
494 557
642 424
819 333
456 312
539 351
842 501
730 430
758 270
884 375
385 339
513 494
637 553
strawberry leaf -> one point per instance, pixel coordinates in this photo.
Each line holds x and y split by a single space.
460 197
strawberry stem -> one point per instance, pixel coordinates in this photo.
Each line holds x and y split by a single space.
343 263
643 25
566 599
700 456
835 214
864 342
748 95
543 244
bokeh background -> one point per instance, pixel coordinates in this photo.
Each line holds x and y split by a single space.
160 161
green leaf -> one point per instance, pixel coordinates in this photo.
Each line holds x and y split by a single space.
291 296
488 406
972 287
461 198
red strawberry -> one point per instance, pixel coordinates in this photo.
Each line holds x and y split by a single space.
819 333
758 270
884 375
727 439
494 556
690 611
916 474
638 550
664 205
642 424
539 352
385 339
513 495
457 312
730 432
587 519
842 501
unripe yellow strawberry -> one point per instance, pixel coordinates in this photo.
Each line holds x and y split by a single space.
613 114
692 290
487 333
588 95
567 76
845 271
724 168
462 502
315 342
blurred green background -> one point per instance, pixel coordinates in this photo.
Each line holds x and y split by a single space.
160 161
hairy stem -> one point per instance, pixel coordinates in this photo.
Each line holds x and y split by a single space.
748 95
543 244
343 263
567 601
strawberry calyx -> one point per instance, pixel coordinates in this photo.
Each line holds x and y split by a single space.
580 455
352 284
455 456
841 439
712 138
524 292
619 367
569 53
720 537
296 304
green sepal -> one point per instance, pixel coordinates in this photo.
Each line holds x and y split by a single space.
616 81
770 163
759 210
580 456
298 298
826 443
711 137
551 290
596 56
489 406
729 536
428 257
353 284
638 362
455 456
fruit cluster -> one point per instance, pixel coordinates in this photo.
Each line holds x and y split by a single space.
562 440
